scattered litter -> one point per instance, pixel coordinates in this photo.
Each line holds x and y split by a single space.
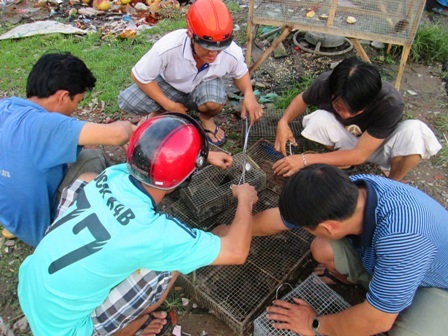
185 302
40 28
412 93
177 331
350 19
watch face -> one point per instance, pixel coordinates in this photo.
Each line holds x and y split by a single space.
315 323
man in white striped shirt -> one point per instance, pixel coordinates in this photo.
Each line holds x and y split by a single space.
388 236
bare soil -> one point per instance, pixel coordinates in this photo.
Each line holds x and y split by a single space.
425 95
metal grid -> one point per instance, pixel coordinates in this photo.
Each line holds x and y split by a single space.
391 21
237 294
314 291
266 127
209 191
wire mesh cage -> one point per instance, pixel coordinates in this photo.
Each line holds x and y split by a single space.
313 290
266 127
387 21
392 21
209 191
237 294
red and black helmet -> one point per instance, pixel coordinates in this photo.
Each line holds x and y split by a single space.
210 23
165 150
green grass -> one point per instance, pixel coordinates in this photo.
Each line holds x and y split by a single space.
430 44
296 87
441 123
110 59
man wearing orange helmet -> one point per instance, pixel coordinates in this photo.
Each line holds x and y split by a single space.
110 259
183 71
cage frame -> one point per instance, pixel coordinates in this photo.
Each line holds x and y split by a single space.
288 26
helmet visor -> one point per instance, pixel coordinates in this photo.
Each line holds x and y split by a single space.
213 45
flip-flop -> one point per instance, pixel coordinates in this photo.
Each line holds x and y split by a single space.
167 327
216 143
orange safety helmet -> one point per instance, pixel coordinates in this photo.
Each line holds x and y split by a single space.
166 150
210 23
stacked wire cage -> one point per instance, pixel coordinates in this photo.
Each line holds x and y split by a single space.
313 290
238 294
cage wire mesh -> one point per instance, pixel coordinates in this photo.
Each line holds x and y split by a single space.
391 21
313 290
266 127
237 294
209 191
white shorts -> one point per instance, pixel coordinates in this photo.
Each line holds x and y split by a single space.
410 137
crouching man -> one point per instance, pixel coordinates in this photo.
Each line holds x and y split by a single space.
110 259
388 236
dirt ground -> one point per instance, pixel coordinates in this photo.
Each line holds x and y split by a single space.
425 95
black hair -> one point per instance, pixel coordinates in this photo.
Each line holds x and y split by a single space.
356 82
59 71
318 193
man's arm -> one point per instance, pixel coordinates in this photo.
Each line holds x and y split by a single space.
366 145
153 91
362 319
250 104
115 134
267 223
235 244
296 108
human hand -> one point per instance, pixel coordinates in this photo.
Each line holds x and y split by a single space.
220 159
173 106
283 135
288 165
245 191
250 106
297 316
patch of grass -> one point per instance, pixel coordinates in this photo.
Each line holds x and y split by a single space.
441 123
296 87
233 6
110 59
10 259
430 44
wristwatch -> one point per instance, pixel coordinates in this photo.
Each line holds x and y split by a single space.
315 326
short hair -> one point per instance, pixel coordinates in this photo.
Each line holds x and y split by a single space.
317 193
356 82
59 71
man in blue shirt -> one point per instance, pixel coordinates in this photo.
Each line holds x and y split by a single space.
110 259
39 138
386 235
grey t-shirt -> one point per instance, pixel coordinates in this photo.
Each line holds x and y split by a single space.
379 119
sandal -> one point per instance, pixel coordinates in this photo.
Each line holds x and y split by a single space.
216 143
166 328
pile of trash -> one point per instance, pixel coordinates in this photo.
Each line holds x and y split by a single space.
118 18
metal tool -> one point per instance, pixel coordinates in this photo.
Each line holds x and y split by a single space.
246 166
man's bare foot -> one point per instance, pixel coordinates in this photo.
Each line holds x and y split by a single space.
329 278
214 133
156 322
